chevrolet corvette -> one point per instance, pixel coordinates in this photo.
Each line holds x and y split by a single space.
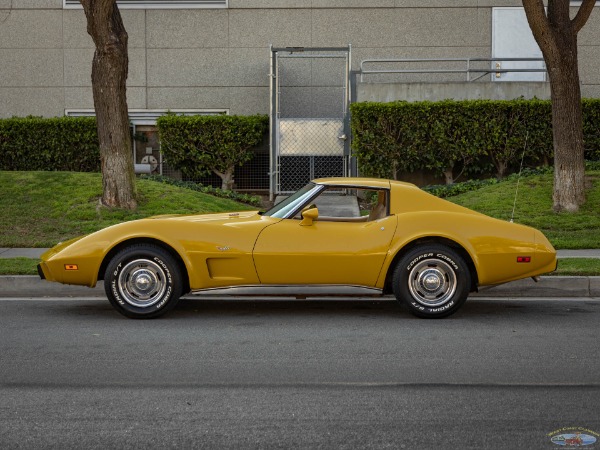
335 236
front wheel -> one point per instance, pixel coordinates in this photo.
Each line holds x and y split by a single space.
143 281
433 281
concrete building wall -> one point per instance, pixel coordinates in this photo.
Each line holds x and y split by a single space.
219 58
412 92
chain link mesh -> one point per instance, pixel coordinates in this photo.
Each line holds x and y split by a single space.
311 101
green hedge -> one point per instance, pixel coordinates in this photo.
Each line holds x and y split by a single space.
62 143
476 136
198 145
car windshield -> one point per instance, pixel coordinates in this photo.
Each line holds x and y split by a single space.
291 203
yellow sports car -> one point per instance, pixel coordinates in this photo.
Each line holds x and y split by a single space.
335 236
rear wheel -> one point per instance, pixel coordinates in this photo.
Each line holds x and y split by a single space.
433 281
143 281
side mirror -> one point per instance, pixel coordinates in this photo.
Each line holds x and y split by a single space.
309 215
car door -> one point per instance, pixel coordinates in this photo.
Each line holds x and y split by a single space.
324 252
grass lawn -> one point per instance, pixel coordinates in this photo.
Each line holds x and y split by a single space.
18 266
534 208
40 209
578 267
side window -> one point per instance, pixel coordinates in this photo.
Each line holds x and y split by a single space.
336 204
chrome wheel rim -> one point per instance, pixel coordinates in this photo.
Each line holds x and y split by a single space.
142 283
432 282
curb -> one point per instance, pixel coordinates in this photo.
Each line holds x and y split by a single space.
33 286
546 287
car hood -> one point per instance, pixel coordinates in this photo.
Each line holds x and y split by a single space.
212 217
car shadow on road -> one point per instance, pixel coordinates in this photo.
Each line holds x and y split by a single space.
387 307
193 308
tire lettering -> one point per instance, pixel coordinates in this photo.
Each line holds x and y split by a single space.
116 293
417 259
164 266
117 270
447 259
443 308
165 299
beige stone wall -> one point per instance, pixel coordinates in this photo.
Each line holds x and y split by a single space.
219 58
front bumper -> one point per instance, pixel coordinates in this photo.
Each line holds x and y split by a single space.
41 272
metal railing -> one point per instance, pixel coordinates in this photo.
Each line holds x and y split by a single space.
468 68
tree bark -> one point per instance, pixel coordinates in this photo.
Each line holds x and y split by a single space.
567 132
448 175
556 35
109 76
227 180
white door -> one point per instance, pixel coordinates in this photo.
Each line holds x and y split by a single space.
512 38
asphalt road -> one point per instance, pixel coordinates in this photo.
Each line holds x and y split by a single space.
297 374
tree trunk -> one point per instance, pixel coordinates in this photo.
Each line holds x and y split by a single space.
556 34
109 77
567 132
226 178
448 175
501 167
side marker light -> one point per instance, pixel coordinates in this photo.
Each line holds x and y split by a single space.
523 259
71 267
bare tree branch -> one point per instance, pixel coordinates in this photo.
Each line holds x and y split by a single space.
539 24
586 8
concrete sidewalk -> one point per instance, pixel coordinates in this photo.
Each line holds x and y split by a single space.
21 252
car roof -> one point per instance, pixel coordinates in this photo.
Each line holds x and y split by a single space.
360 182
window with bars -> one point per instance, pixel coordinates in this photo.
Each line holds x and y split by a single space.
159 4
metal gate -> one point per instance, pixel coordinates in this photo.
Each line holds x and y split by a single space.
309 115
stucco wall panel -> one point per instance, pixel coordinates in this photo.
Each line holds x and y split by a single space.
435 3
588 64
353 4
590 33
401 27
249 100
248 67
188 67
31 29
38 101
259 28
499 3
188 98
187 28
31 4
590 91
251 4
361 27
31 68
